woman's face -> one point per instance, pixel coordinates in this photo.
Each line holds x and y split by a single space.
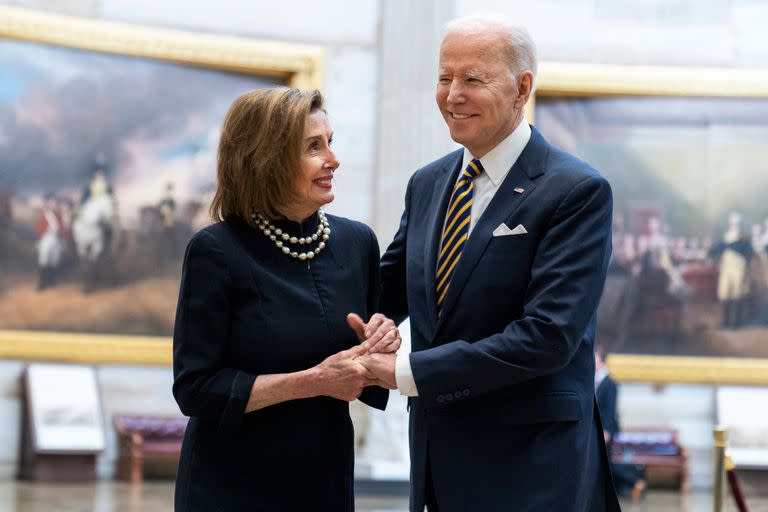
314 188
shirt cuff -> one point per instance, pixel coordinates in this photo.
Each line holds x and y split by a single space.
404 376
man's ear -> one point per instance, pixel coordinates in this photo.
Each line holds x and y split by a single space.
524 88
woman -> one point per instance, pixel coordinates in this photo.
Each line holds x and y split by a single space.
263 357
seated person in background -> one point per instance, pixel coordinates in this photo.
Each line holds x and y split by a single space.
628 479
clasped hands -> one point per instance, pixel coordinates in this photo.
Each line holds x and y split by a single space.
379 340
371 363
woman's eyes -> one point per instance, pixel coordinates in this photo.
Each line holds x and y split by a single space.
316 146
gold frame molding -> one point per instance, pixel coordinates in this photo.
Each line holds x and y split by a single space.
590 80
296 65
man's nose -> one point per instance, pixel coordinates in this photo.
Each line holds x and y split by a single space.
455 91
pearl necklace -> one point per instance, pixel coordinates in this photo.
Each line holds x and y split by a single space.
281 238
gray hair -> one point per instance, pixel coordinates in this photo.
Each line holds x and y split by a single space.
520 50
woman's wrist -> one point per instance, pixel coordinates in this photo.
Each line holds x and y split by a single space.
311 381
271 389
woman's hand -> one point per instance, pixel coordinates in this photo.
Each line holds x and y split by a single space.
340 376
380 334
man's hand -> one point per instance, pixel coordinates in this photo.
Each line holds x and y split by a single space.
380 334
382 367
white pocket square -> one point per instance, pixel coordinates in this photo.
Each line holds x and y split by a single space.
503 230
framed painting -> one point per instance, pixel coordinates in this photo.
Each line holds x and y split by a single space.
107 165
686 297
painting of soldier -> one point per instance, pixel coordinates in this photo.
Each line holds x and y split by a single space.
105 162
51 234
734 254
689 269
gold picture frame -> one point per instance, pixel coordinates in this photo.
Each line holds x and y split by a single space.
593 80
295 65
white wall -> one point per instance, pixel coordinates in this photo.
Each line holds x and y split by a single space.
724 33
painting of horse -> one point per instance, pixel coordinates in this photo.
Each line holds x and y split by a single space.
107 167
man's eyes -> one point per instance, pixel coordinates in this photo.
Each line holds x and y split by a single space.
469 79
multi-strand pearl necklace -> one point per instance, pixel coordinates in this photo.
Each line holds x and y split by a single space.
281 238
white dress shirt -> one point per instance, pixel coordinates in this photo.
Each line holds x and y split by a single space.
600 376
496 165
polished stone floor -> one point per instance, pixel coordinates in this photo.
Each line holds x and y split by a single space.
158 497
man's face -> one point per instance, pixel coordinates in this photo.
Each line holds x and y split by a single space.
476 91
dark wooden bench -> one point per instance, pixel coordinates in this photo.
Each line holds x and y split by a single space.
148 445
659 451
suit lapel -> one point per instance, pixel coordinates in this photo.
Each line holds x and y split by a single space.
440 196
505 202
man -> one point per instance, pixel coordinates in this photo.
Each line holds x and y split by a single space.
733 285
629 479
50 236
167 207
606 393
499 261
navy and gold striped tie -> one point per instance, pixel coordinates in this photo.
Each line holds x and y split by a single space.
456 229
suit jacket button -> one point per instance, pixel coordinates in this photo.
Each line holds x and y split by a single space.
457 394
465 392
440 398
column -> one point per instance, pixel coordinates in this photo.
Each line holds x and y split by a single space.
410 130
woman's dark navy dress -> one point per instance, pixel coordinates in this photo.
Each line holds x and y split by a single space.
247 309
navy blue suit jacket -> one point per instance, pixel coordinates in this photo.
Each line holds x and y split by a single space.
505 415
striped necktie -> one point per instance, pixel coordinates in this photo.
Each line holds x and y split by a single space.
456 229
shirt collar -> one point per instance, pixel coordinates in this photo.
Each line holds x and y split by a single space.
498 161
